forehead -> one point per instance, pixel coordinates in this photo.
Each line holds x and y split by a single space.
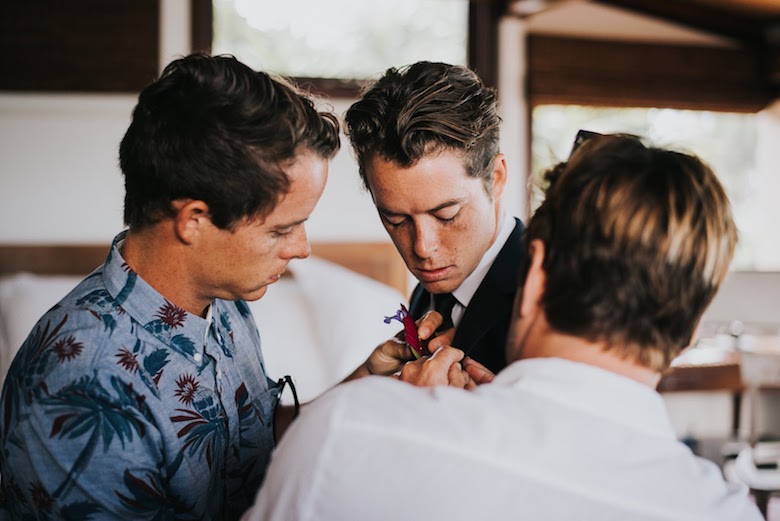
308 174
437 177
433 160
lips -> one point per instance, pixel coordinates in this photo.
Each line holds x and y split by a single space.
270 280
434 275
279 275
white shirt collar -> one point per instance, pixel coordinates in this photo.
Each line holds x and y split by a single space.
599 392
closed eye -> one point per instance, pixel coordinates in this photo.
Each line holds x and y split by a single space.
447 215
394 220
282 233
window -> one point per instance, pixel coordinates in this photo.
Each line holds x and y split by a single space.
728 142
340 39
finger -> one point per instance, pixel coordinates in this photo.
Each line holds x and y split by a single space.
444 339
397 347
478 372
388 357
401 349
471 384
427 324
429 372
447 355
410 372
457 377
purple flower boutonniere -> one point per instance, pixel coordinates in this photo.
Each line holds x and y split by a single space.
410 331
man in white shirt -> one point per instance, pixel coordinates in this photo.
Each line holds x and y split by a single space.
625 253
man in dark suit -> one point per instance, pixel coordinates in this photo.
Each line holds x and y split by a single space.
426 140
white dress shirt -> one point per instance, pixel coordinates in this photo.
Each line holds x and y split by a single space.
549 439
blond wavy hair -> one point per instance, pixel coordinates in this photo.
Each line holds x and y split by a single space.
638 240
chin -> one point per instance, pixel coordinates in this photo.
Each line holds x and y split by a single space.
255 295
441 286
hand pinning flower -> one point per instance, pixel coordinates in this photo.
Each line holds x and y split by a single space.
410 330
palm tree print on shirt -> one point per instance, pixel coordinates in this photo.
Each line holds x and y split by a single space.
87 408
169 318
205 426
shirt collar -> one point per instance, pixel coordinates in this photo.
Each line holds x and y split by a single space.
593 390
177 328
465 292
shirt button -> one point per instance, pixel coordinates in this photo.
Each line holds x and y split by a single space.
198 357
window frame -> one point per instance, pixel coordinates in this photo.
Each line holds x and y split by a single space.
481 46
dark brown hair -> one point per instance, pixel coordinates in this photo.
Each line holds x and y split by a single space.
212 129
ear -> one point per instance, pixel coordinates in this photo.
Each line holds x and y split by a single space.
535 281
499 176
192 216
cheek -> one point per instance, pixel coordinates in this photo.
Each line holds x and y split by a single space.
460 238
399 237
258 252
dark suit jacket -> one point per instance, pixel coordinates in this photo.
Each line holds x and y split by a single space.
483 328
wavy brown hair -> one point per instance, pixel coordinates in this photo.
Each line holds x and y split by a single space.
424 108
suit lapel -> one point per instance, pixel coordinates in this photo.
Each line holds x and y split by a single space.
492 303
420 302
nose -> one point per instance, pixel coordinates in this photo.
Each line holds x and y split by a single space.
299 247
425 239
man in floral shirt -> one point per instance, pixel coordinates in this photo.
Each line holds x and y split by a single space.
143 393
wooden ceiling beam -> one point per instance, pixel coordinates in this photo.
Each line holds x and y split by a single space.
747 30
754 33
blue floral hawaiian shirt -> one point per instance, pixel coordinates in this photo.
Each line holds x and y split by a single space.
122 405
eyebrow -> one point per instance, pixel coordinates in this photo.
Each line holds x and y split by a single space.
445 204
289 225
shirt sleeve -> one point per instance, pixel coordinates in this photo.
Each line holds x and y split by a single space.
89 449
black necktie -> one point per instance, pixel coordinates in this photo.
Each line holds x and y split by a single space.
443 303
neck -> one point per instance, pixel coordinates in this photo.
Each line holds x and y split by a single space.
598 354
161 262
499 222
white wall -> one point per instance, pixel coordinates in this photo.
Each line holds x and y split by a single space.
345 211
59 180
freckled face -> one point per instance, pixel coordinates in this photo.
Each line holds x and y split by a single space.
441 220
242 263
